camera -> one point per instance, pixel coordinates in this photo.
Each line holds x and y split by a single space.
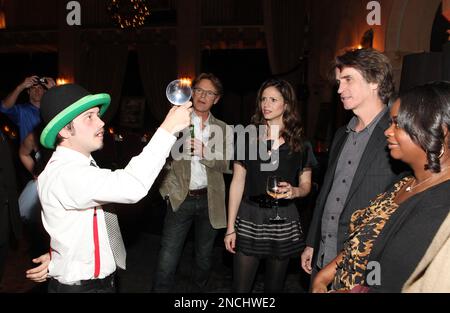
42 81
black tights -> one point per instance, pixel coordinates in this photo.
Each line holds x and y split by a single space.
245 268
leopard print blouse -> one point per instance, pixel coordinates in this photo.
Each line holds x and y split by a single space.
365 226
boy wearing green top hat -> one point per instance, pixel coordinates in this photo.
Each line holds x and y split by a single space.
85 242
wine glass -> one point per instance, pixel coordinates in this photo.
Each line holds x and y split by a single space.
179 91
273 190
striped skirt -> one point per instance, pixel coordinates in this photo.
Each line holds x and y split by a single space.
257 236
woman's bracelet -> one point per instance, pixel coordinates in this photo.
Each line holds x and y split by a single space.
233 232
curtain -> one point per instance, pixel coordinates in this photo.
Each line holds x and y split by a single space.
284 25
102 70
158 68
230 108
236 108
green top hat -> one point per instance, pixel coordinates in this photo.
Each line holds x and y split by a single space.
61 104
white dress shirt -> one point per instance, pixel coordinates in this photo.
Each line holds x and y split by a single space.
199 179
69 190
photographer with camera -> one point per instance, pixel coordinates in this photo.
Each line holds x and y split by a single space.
26 115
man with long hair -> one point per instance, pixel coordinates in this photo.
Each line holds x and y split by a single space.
359 164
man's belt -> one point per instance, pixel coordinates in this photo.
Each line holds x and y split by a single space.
198 192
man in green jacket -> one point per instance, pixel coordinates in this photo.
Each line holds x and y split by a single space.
195 190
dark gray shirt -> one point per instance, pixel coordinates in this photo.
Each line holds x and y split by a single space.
345 171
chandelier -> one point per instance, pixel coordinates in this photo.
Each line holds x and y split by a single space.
128 13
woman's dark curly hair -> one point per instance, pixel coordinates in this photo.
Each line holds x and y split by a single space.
424 114
292 131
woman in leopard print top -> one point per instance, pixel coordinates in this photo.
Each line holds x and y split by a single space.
365 226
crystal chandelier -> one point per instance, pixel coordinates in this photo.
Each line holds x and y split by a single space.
128 13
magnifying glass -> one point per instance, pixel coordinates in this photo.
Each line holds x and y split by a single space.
179 91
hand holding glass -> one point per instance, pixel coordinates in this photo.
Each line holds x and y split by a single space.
273 189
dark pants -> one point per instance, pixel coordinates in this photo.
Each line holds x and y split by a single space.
176 227
3 255
105 285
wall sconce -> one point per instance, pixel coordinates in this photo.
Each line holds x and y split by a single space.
2 16
446 12
10 133
62 81
2 20
446 9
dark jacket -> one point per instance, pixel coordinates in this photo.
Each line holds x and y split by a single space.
376 171
9 208
407 237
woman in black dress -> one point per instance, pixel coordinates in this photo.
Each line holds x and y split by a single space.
275 147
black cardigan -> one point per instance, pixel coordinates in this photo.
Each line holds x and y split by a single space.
407 234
